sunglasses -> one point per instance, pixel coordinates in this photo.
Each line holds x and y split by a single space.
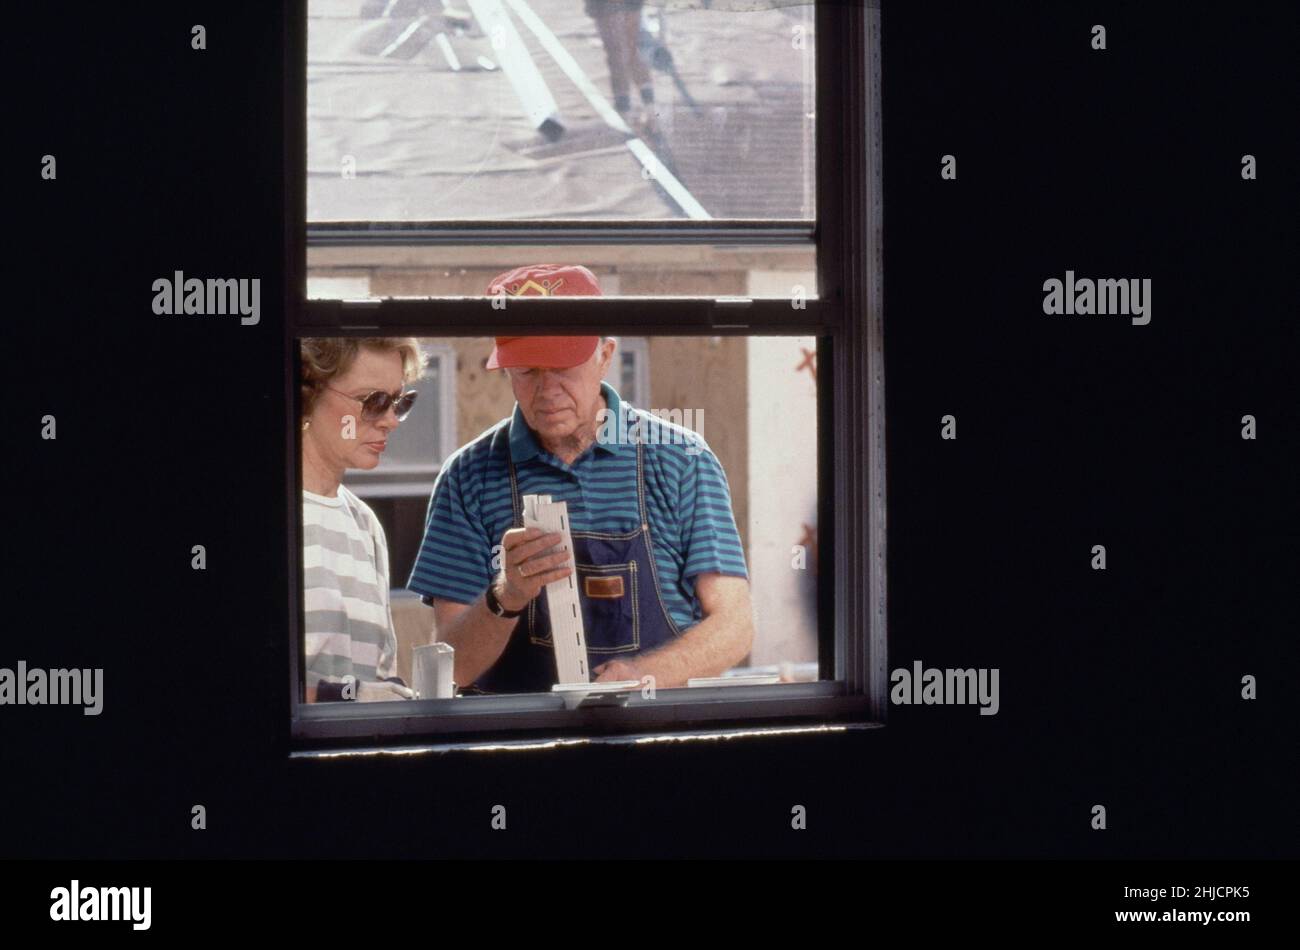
375 404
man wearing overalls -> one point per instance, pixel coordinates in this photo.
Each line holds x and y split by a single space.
662 581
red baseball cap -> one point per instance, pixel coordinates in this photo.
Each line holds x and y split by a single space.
544 280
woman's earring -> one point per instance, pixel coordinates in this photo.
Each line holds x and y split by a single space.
306 424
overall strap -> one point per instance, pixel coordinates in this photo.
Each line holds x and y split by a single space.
640 486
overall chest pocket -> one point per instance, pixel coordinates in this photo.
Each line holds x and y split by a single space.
608 598
610 615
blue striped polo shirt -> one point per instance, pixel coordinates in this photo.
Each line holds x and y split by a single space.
688 504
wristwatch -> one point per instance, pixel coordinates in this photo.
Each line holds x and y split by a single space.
494 605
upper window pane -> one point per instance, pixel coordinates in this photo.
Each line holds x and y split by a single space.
532 110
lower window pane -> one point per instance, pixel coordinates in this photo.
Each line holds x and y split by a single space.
687 472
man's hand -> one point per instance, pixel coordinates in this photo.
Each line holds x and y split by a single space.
710 648
477 634
615 670
528 568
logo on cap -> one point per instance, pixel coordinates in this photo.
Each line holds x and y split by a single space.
546 288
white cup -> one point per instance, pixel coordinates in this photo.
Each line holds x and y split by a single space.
431 669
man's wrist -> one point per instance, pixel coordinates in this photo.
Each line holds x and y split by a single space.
496 603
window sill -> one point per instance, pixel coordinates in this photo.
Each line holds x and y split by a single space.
542 719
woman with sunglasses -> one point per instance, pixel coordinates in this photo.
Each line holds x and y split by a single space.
354 395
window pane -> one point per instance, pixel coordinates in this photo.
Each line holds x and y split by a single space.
532 110
354 271
753 475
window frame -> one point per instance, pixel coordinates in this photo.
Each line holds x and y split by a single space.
846 319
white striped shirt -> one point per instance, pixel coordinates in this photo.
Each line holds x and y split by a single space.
349 623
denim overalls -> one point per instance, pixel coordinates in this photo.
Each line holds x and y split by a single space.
623 612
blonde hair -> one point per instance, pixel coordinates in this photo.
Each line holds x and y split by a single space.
326 358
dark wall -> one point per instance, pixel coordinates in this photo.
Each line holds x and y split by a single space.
1118 687
403 521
